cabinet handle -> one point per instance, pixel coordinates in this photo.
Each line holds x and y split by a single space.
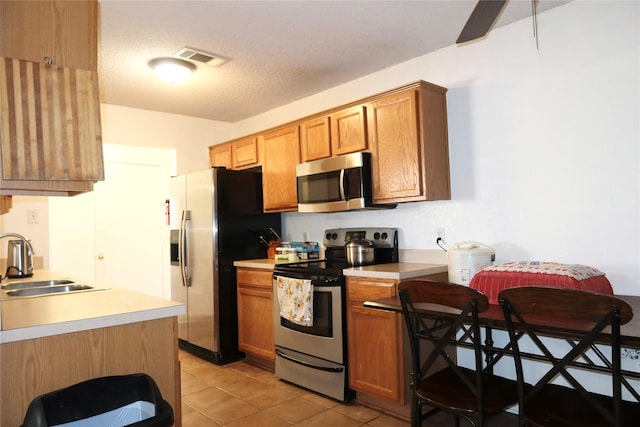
101 256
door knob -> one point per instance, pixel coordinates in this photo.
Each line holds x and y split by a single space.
100 256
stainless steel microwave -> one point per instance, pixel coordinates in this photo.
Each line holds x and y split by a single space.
336 184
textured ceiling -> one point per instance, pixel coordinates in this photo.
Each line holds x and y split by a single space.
280 51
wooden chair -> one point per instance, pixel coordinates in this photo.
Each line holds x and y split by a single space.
442 317
579 317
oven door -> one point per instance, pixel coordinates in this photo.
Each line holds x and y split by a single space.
325 338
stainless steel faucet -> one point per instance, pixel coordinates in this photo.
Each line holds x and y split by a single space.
21 237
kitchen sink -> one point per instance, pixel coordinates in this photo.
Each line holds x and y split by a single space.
49 289
36 284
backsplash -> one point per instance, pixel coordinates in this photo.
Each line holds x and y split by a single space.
423 256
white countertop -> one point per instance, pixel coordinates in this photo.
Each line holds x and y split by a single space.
397 271
264 264
36 317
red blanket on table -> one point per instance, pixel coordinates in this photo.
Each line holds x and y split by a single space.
493 279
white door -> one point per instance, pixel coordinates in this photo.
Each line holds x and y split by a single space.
118 234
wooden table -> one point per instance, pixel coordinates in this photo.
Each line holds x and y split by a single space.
493 317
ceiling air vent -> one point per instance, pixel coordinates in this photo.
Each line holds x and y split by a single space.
201 56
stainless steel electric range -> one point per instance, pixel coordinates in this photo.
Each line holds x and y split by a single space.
314 355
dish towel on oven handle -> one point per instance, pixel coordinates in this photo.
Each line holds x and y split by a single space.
295 298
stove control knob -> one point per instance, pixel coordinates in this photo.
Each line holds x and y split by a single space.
376 235
334 236
384 236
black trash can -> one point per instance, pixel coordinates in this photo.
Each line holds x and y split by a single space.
115 401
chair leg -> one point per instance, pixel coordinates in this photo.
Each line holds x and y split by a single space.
416 413
457 422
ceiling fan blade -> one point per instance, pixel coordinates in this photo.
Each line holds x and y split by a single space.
481 20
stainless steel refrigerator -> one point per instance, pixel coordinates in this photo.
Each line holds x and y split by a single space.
216 218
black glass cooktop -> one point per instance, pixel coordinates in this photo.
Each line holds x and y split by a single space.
326 267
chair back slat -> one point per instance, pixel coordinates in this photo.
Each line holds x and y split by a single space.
585 305
446 294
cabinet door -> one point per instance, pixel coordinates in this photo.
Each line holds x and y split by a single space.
245 153
255 313
220 155
349 131
65 31
53 132
395 147
376 364
315 139
281 155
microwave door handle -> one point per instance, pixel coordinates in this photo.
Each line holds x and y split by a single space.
343 192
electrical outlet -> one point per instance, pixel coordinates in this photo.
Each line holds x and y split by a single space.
439 233
32 216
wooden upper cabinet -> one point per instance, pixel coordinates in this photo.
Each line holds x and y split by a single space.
245 153
50 130
315 139
349 131
220 155
408 142
342 132
65 31
281 155
240 154
405 129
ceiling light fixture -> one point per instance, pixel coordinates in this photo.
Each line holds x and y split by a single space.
172 70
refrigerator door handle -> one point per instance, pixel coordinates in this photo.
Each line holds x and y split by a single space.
184 266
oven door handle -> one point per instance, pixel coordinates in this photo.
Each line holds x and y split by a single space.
318 285
307 364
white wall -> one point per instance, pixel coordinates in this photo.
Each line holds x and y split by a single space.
543 143
16 221
190 136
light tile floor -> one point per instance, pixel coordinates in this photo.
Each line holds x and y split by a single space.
241 395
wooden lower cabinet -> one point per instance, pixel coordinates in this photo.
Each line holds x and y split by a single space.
375 341
36 366
255 316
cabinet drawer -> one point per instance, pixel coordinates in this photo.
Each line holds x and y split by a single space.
367 289
254 278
